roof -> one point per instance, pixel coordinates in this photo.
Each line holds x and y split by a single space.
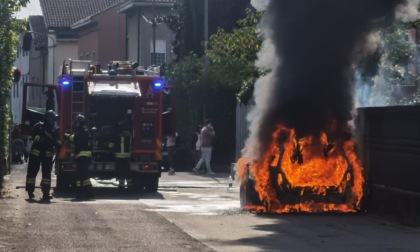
151 1
63 13
123 6
130 4
37 25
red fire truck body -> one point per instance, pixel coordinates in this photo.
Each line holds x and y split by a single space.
122 95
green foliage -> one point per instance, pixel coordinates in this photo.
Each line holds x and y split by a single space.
398 52
199 96
187 77
208 87
9 27
398 65
232 56
187 22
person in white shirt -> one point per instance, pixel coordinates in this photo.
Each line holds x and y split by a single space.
170 146
196 144
207 136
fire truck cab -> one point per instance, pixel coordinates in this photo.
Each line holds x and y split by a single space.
122 94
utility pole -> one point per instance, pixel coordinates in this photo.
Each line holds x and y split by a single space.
206 37
206 33
206 21
154 34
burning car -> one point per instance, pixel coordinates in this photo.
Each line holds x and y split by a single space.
309 174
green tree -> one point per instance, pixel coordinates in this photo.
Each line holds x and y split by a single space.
212 91
187 77
398 57
232 56
398 52
9 26
187 22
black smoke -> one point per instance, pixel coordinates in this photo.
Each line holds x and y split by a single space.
317 43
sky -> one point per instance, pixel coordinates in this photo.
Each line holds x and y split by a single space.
32 8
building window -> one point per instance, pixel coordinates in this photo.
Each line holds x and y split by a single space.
160 57
93 56
80 56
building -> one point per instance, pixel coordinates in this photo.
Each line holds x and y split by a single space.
90 30
101 36
59 16
32 60
143 37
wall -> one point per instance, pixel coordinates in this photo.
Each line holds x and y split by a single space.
136 24
389 146
103 39
64 49
112 33
242 125
132 26
32 68
88 43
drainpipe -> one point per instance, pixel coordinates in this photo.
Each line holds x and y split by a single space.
138 38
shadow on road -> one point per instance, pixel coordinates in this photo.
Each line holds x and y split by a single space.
111 194
329 232
40 201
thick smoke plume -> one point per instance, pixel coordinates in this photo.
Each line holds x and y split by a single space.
316 45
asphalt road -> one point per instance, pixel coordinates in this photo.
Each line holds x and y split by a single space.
189 213
110 223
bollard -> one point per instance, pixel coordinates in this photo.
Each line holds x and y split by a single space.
233 169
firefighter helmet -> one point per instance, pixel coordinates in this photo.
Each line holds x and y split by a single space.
79 121
50 117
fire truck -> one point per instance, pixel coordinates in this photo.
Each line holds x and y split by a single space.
123 93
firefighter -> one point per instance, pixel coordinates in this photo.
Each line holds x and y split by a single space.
50 99
45 138
83 155
122 154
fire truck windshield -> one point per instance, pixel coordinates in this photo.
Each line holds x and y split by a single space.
114 88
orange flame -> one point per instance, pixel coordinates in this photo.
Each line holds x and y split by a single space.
311 174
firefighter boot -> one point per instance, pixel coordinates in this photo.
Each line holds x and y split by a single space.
88 192
46 197
121 184
31 195
45 187
79 194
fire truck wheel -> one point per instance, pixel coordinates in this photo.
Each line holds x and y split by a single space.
152 184
138 185
63 183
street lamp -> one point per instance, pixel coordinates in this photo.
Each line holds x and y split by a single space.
154 24
53 52
206 33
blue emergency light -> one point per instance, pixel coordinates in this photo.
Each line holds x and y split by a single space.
158 84
65 81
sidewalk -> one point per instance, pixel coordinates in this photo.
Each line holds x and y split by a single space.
191 180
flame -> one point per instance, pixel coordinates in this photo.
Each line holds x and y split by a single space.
310 174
